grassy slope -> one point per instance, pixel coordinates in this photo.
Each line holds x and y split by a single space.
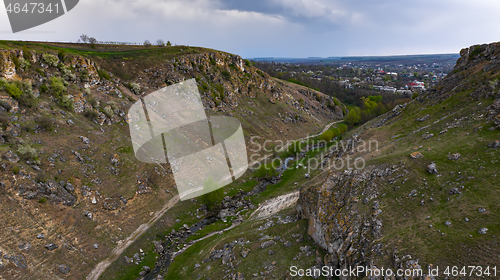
406 221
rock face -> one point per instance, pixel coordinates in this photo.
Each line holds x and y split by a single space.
7 67
334 221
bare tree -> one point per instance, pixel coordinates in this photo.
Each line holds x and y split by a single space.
147 43
84 38
160 43
92 40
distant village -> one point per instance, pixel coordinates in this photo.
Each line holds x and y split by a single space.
404 79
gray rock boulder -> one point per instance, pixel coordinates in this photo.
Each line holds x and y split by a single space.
432 168
267 244
454 156
64 269
12 157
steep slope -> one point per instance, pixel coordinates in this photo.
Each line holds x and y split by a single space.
427 196
71 188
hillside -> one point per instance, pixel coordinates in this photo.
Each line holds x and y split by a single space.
71 188
428 196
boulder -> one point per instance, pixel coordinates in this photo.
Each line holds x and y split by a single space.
10 156
454 191
454 156
424 118
245 252
416 155
19 261
495 144
85 140
64 269
267 244
431 168
482 231
51 247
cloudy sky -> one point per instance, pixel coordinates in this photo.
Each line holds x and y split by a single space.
281 28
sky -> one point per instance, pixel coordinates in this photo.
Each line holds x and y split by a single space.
280 28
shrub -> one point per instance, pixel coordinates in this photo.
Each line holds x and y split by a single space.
42 200
13 90
67 102
293 149
247 63
62 55
220 90
84 75
147 43
66 73
29 101
135 88
318 97
26 53
91 114
27 152
268 170
42 177
108 111
57 87
50 59
46 123
327 136
15 59
212 200
24 64
103 74
94 102
169 44
477 50
226 75
15 169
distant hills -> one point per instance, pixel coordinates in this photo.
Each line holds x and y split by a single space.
399 59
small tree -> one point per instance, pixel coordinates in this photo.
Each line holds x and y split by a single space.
169 44
353 117
147 43
160 43
213 197
93 42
